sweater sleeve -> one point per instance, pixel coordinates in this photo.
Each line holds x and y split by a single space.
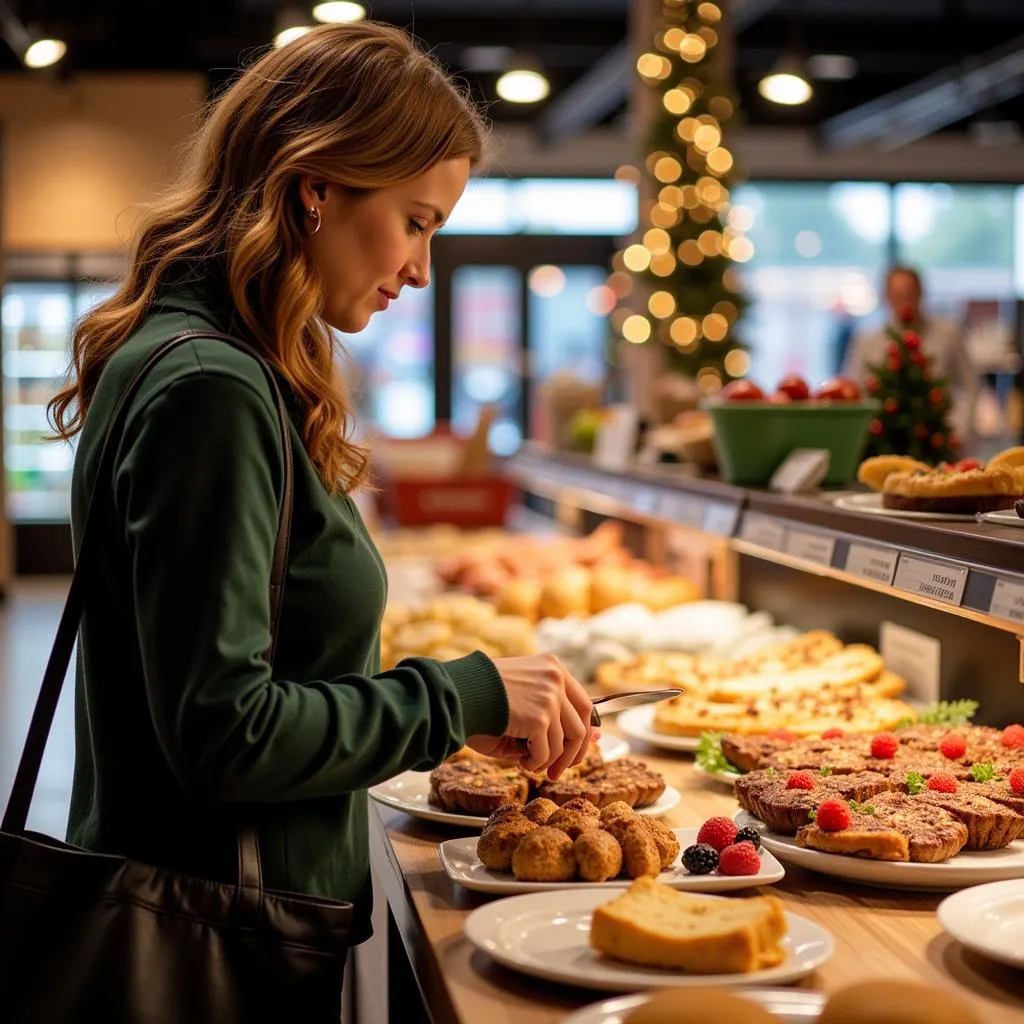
197 486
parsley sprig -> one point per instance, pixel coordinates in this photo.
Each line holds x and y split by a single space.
710 756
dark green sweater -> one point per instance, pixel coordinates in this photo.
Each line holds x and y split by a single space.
182 729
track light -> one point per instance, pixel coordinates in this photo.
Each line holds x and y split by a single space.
786 83
338 11
44 52
523 81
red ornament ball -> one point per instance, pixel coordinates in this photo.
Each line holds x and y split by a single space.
936 395
918 358
911 340
876 427
920 431
895 364
891 406
873 385
938 440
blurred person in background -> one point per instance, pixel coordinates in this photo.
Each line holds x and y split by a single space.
942 341
309 200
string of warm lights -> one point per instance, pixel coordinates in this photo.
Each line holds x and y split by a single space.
682 265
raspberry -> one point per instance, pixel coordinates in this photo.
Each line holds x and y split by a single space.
942 782
783 734
953 745
718 833
834 815
749 835
833 734
1013 737
739 859
1017 780
800 780
884 745
700 859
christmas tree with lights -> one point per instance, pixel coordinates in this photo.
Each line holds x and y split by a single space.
914 418
678 284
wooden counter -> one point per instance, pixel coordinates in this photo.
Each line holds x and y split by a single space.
878 933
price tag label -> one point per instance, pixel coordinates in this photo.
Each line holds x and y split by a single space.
763 531
811 547
915 656
875 564
720 519
931 579
1008 601
802 470
683 509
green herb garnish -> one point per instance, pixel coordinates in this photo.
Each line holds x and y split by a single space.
861 808
985 772
948 712
824 771
771 772
915 783
710 756
812 815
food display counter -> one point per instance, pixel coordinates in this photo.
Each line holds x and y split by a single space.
809 563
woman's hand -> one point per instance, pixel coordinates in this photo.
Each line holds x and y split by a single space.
549 709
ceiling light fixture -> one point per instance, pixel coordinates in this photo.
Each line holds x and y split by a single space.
523 81
44 53
291 24
337 12
786 84
290 34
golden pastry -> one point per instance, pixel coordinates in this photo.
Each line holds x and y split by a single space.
874 472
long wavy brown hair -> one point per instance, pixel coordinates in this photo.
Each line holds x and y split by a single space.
357 104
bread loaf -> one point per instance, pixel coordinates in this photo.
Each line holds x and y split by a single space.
655 926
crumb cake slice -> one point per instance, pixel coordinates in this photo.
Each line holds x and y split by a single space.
766 795
990 825
933 834
867 837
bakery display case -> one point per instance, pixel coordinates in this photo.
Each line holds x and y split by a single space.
904 617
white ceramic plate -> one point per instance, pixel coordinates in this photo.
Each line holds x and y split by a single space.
988 919
790 1005
872 503
458 856
725 777
1004 517
959 872
612 747
409 792
638 724
547 935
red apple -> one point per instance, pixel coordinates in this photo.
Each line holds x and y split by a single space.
794 387
742 391
839 389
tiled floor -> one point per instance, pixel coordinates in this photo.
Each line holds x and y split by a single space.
28 622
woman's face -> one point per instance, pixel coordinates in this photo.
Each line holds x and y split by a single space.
371 245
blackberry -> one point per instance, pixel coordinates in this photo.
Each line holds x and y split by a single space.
700 859
749 835
1019 506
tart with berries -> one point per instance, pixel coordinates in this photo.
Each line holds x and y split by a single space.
961 488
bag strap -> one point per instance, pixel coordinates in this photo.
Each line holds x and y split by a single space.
16 815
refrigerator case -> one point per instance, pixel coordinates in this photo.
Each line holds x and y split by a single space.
38 317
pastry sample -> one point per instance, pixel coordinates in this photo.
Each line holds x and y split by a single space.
923 793
962 488
468 783
556 577
451 626
655 926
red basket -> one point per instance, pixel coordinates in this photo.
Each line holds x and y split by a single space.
461 501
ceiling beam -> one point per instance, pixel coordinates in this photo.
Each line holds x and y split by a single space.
599 91
944 98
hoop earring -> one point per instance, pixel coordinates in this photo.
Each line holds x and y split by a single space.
314 216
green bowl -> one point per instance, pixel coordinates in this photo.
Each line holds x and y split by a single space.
752 439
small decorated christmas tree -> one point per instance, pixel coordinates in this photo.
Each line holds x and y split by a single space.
914 418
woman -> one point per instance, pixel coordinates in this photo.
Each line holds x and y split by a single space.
309 200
